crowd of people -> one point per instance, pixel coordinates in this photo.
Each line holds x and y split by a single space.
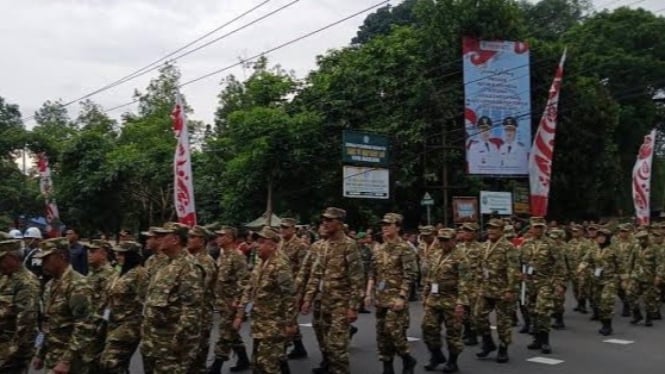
86 306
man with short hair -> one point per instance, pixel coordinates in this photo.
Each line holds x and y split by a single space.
32 237
78 254
19 305
470 251
99 278
642 284
157 259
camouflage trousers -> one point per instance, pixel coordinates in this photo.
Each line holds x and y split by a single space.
199 364
20 360
541 305
604 295
229 338
121 343
317 327
391 329
75 366
647 292
559 302
162 356
470 317
504 317
267 355
335 337
431 327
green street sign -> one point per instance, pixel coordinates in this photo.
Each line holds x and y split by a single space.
364 148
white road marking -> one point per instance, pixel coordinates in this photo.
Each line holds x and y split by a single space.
545 360
619 341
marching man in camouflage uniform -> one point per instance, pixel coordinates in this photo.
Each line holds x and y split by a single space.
19 300
426 247
445 300
499 270
171 328
337 277
270 300
544 272
626 246
558 237
391 274
157 259
577 248
642 280
470 251
232 277
296 251
67 315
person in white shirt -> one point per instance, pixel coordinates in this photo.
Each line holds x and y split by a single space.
514 155
484 152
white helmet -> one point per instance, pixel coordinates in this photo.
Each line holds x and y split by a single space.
15 234
32 233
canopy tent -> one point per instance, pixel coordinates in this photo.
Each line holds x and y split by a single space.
258 223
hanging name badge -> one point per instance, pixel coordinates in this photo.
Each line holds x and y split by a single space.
39 340
530 270
486 273
320 286
381 286
435 288
249 307
106 315
598 272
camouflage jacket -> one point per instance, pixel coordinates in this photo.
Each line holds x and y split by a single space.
625 250
295 250
232 277
645 264
126 295
604 263
544 263
337 276
393 270
270 298
577 249
445 285
99 279
205 261
307 265
155 262
499 269
19 305
470 255
68 318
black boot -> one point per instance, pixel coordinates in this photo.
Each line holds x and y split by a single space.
298 350
625 311
451 365
323 367
284 367
607 327
388 367
216 367
514 318
545 343
470 336
649 321
352 331
502 356
582 308
243 361
637 316
487 347
408 364
558 322
436 358
594 314
526 327
657 316
536 343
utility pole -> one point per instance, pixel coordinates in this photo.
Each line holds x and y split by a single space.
444 176
269 203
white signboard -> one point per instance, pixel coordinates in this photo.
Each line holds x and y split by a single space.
366 183
499 202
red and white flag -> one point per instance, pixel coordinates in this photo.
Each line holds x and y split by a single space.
642 179
183 180
542 150
46 188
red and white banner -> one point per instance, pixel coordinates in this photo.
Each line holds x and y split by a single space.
183 180
46 188
542 150
642 179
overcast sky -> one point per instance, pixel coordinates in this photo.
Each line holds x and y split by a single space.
64 49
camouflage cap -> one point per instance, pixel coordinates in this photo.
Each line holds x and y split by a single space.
227 230
9 245
605 230
334 213
150 233
49 246
537 222
426 230
93 244
127 246
390 218
593 226
269 233
626 227
496 222
199 231
288 222
556 234
446 233
171 228
470 226
509 230
576 227
641 234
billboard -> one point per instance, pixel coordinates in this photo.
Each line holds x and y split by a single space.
500 203
364 148
366 183
521 200
465 209
497 109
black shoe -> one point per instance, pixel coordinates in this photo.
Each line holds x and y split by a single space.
243 361
524 329
320 370
649 321
470 337
657 316
298 351
451 365
607 328
536 343
216 367
637 316
436 358
364 311
558 322
625 311
545 343
408 364
388 367
487 347
352 331
284 367
502 356
594 315
582 307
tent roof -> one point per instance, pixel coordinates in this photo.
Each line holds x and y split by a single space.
263 221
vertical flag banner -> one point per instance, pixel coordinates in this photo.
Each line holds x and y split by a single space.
542 151
183 180
46 189
497 109
642 179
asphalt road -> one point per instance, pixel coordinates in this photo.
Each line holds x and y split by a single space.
579 348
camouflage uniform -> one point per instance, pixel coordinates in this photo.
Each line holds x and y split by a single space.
67 322
337 277
392 271
19 300
426 251
99 279
270 300
562 247
500 271
295 250
642 277
154 263
470 253
577 249
301 282
205 261
625 249
124 305
171 329
445 288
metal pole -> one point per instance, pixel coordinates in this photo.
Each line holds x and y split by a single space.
445 176
429 215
